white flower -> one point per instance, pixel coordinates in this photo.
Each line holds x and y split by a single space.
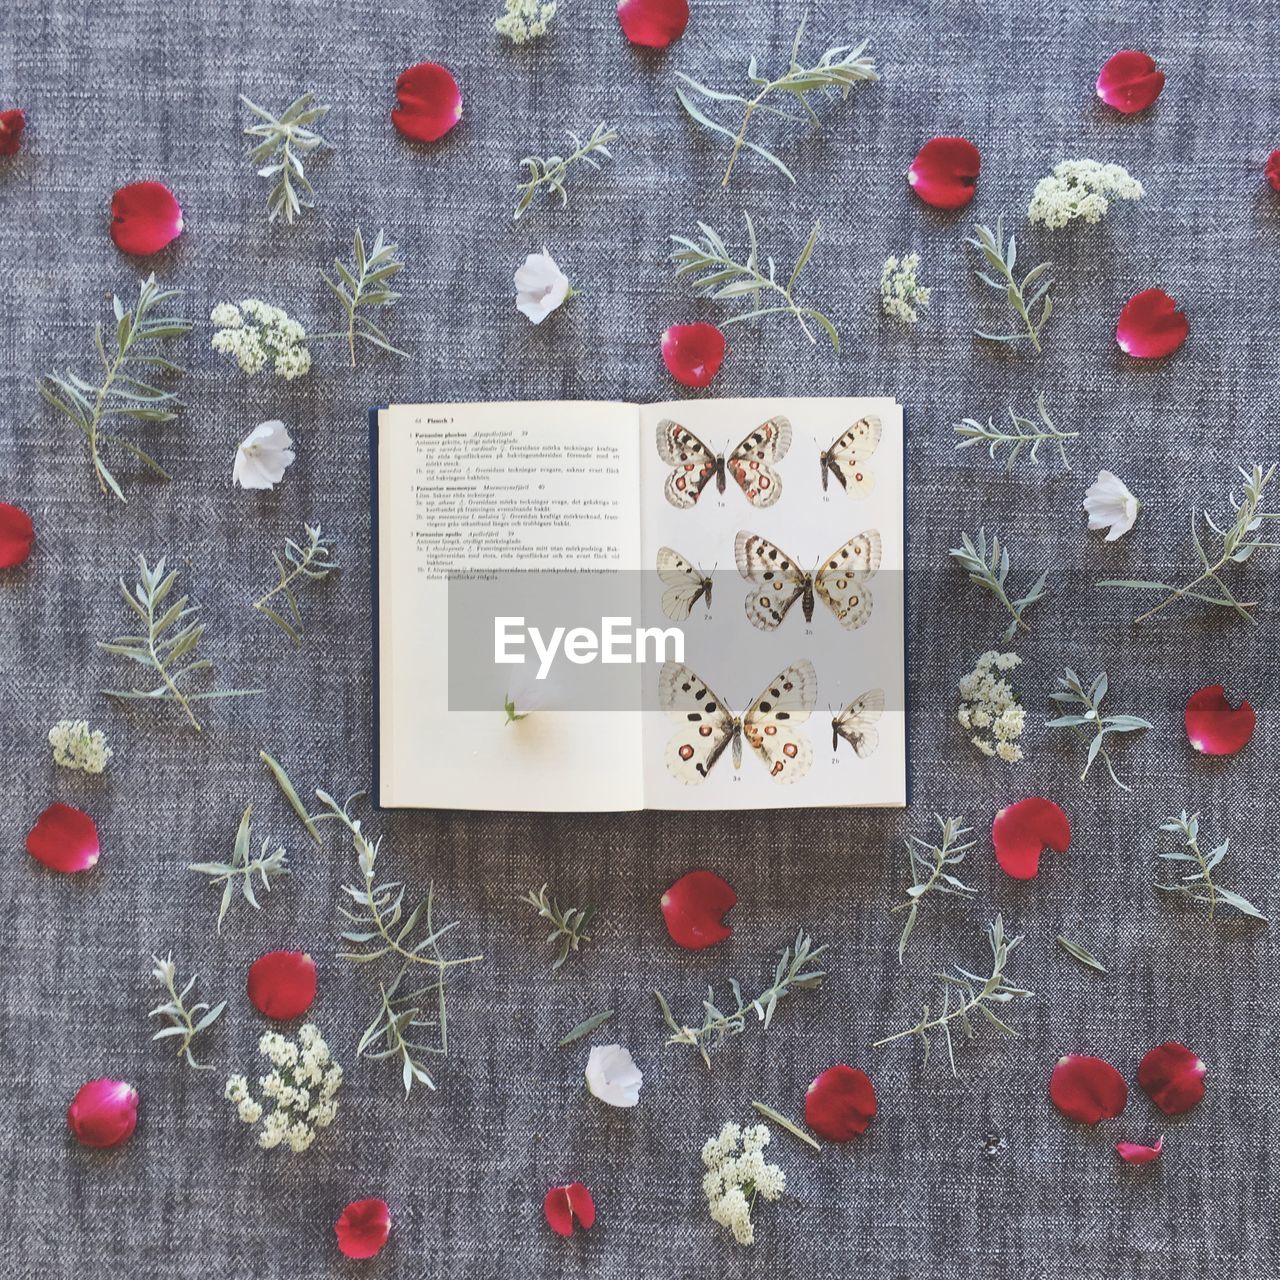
988 703
263 456
75 746
540 286
613 1077
902 296
1109 503
273 336
1079 189
524 20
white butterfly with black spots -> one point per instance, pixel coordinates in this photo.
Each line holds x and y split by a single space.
750 464
840 580
686 585
847 457
708 727
856 723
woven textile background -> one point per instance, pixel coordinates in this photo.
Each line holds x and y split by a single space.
121 90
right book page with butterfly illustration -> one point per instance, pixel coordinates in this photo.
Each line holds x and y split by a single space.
773 537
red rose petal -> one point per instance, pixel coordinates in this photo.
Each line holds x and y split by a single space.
1129 81
653 23
945 172
64 839
1023 831
562 1204
363 1228
1172 1077
282 984
694 908
16 536
103 1113
840 1103
1087 1089
693 353
145 216
1273 169
12 123
430 102
1136 1153
1151 326
1214 726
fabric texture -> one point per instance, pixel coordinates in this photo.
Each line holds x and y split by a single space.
955 1177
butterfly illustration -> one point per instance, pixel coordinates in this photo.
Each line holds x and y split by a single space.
856 723
750 464
685 584
840 580
708 726
847 457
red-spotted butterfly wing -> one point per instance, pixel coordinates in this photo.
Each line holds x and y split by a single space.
770 724
751 463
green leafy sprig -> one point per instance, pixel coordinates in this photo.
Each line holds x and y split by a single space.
282 142
1091 723
1024 295
929 874
362 286
1077 952
1200 885
568 925
314 561
1021 433
270 864
550 172
988 569
185 1022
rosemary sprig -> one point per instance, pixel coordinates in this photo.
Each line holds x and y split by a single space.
290 794
1022 295
184 1022
1077 952
162 649
1200 886
314 561
550 171
972 994
725 278
989 569
242 869
794 972
1092 724
283 141
394 1030
121 393
1238 544
363 284
1021 433
568 926
929 874
586 1027
837 71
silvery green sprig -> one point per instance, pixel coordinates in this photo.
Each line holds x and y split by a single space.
362 287
283 141
312 562
549 172
1200 885
1023 296
244 868
988 568
1091 724
185 1022
568 925
929 874
836 72
1020 433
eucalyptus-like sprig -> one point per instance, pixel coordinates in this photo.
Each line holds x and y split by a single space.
795 972
282 142
362 286
100 409
568 925
929 874
836 72
184 1022
989 568
244 868
1024 295
966 994
314 561
1077 952
1091 724
720 276
167 644
1021 433
1239 542
1200 885
549 172
397 1029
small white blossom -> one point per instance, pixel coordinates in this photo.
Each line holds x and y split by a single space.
540 286
250 1111
525 20
263 456
989 708
1079 189
733 1180
902 296
298 1112
76 746
256 334
612 1075
1111 506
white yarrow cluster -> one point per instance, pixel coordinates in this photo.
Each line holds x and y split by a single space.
734 1178
76 746
255 333
303 1084
989 708
902 296
525 20
1079 189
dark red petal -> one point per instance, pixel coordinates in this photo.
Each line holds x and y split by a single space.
430 102
1136 1153
694 909
103 1113
840 1103
653 23
1151 326
583 1206
145 216
1273 169
1172 1077
693 353
363 1228
282 984
64 839
1129 81
12 123
945 172
1087 1089
16 536
1023 831
562 1204
1214 726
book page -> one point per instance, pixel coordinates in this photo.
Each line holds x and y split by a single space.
829 689
487 512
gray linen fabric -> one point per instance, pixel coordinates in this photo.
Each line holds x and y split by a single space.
121 90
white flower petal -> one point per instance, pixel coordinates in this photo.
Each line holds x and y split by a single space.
263 457
1111 506
613 1077
540 286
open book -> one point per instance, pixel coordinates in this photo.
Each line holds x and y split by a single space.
605 606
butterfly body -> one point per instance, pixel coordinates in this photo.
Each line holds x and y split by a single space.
686 585
839 580
750 463
846 459
856 723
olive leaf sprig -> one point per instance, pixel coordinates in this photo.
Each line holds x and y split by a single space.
1024 295
929 874
1200 885
988 569
568 926
1091 723
270 864
550 172
184 1022
312 562
361 287
283 141
1017 436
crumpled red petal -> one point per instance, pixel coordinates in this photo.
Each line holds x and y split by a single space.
282 984
145 217
1130 81
945 173
429 102
1136 1153
1273 169
64 839
1172 1077
562 1204
1087 1089
363 1228
12 123
693 353
1151 326
17 533
103 1113
840 1103
694 908
1022 832
1214 726
653 23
